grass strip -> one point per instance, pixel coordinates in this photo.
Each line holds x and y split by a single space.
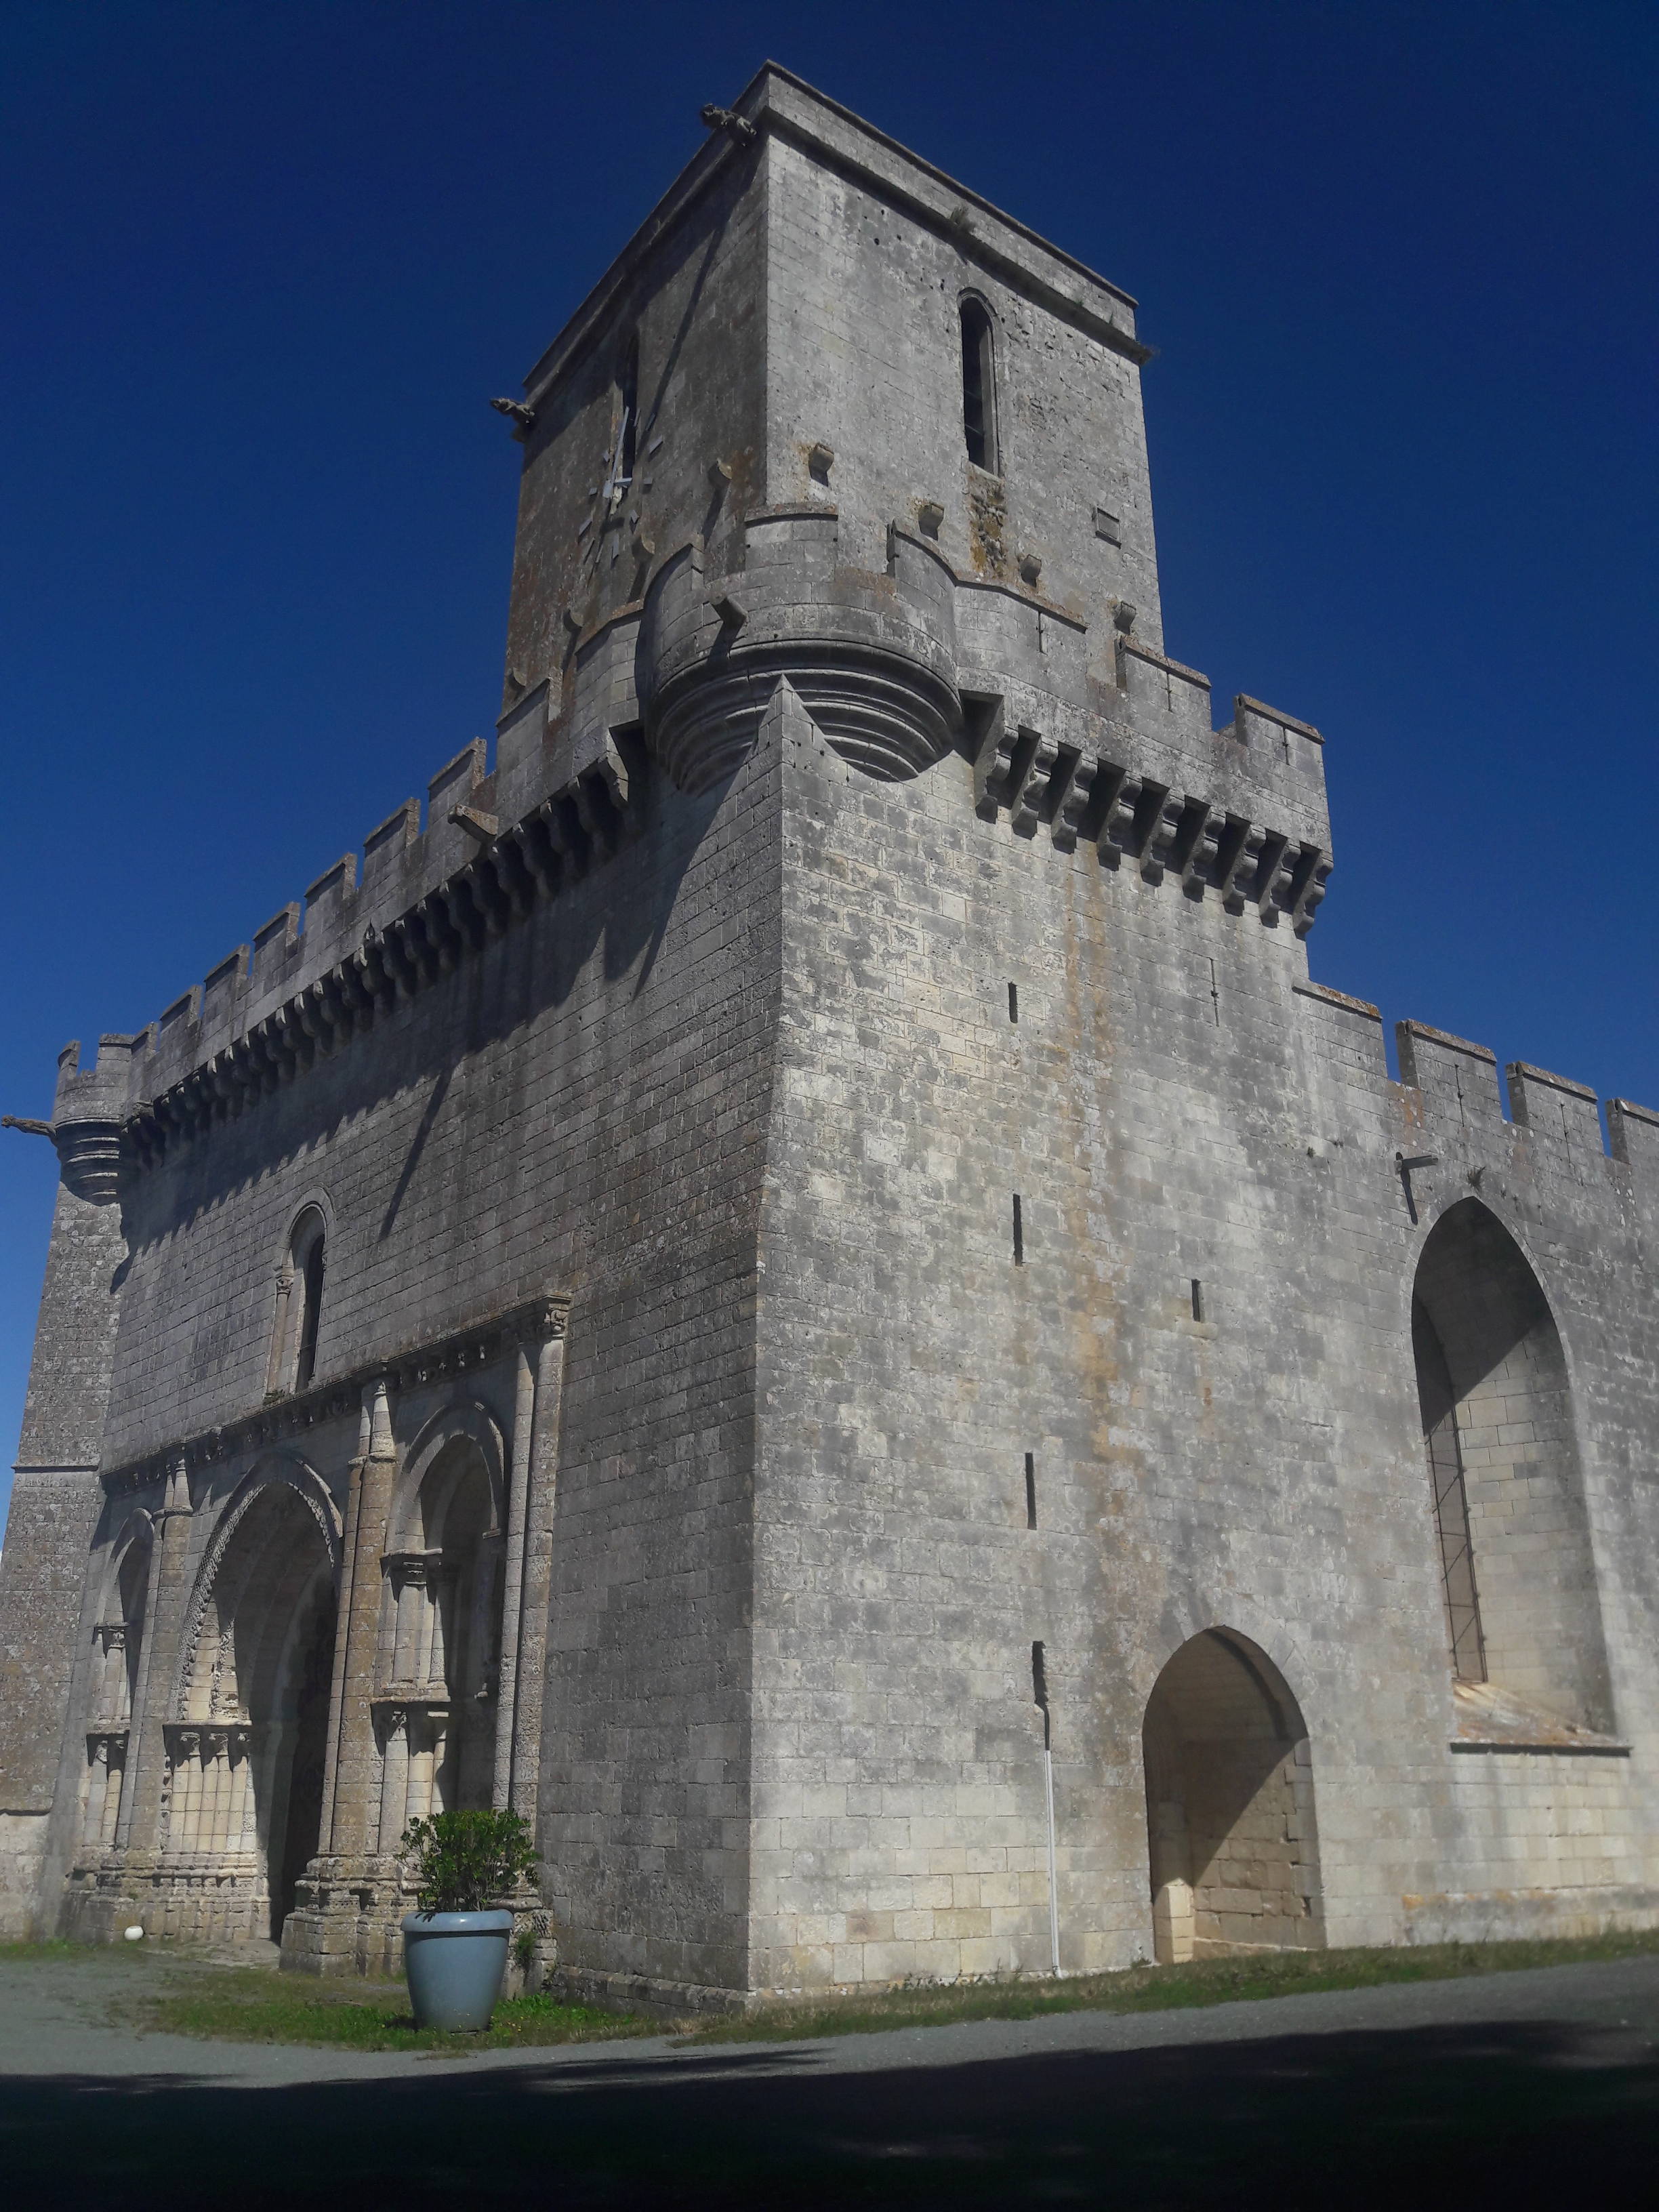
58 1950
252 2005
1158 1989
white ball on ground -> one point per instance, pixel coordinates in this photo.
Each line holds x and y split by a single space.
135 1934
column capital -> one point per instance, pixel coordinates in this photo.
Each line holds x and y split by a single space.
175 1498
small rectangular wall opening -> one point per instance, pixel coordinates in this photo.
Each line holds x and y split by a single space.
1031 1490
1020 1234
1197 1299
1013 1002
1040 1688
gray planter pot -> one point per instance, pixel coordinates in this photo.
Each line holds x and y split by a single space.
454 1962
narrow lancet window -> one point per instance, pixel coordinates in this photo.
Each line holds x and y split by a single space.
311 1308
979 386
628 427
299 1306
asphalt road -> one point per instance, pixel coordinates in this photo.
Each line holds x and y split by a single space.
1510 2090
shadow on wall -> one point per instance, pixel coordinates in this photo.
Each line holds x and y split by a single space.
1522 1607
625 905
1518 2114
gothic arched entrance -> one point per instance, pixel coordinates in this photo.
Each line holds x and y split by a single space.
1229 1809
246 1756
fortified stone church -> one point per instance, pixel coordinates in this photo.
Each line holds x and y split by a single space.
792 1277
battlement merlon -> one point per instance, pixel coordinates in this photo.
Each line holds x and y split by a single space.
1090 730
1453 1106
1038 650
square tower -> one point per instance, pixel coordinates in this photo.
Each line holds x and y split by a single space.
791 1278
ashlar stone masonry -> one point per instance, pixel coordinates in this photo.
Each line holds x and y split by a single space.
793 1278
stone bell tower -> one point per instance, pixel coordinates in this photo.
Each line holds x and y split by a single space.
793 1278
835 512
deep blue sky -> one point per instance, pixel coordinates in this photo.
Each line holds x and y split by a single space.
261 264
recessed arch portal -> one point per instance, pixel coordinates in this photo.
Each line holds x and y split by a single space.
1519 1581
1229 1807
438 1693
245 1751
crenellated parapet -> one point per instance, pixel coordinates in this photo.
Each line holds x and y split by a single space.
1082 784
1086 729
1083 730
425 901
1456 1106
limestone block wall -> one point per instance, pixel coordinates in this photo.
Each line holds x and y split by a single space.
55 1499
1198 1326
1548 1843
1141 1112
581 1106
687 297
868 258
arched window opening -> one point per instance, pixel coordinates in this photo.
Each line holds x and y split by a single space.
979 396
1522 1609
1229 1805
299 1306
311 1308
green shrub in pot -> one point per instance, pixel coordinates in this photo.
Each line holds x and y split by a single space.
455 1946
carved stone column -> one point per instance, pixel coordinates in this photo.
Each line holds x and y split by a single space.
412 1576
115 1760
353 1811
524 1414
274 1366
98 1779
108 1703
215 1836
528 1634
441 1734
181 1827
394 1776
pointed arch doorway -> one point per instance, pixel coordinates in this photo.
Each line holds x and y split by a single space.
1230 1808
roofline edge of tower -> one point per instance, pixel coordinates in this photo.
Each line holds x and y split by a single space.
786 120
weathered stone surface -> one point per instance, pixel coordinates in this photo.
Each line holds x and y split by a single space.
851 1244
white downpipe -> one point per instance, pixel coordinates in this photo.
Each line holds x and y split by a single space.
1053 1894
